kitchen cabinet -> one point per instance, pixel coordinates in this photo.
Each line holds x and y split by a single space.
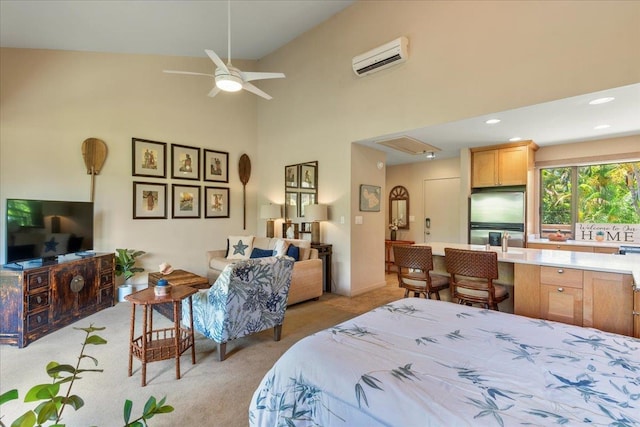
636 310
595 299
503 165
561 296
608 300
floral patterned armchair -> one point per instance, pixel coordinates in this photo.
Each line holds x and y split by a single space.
248 297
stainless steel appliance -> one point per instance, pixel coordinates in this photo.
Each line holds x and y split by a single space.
494 212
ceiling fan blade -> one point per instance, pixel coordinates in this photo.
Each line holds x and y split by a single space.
188 73
251 88
214 91
216 60
249 76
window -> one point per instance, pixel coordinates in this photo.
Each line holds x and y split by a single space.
602 193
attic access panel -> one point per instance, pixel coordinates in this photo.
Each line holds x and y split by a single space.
408 145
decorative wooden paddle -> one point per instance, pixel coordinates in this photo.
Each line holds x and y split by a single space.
94 153
244 167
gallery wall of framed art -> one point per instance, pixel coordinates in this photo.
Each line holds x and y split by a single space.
156 159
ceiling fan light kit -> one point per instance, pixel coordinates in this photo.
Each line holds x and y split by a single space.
229 82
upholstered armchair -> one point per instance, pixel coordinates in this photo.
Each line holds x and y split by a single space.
248 297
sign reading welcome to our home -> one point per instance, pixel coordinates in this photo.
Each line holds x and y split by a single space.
615 233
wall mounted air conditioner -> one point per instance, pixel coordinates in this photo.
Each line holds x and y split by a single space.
389 54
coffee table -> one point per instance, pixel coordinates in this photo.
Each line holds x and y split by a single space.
180 278
153 345
176 278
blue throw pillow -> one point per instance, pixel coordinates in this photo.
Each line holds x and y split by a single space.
261 253
294 252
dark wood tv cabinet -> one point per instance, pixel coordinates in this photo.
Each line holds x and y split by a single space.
42 298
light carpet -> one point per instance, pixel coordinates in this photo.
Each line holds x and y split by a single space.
210 393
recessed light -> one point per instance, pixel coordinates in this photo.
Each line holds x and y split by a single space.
602 127
515 138
492 121
601 100
431 155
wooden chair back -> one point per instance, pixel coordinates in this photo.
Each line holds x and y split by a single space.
472 275
414 264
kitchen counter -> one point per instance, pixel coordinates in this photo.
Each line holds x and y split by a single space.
609 263
597 290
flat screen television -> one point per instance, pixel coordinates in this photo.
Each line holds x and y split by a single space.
47 228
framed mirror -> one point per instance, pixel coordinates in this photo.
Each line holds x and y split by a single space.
399 207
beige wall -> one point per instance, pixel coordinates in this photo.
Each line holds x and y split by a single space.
412 177
367 248
613 149
518 54
51 101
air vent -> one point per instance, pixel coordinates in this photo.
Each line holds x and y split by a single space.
409 145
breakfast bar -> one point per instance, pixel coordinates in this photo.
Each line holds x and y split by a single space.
585 289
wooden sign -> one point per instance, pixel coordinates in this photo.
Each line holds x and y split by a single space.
609 233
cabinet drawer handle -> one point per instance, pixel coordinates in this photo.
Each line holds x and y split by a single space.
560 289
39 299
560 271
39 279
39 319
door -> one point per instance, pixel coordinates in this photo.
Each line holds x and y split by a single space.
441 220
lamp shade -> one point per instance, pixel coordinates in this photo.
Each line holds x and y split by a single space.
316 212
270 211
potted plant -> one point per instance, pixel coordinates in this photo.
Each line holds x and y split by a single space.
126 267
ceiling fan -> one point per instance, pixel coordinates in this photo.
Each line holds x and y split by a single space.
229 78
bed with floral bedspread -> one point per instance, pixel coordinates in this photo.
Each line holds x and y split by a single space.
417 362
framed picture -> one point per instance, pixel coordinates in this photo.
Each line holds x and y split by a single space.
305 227
186 201
217 202
149 200
149 158
290 205
308 176
185 162
291 176
216 166
369 198
290 230
306 199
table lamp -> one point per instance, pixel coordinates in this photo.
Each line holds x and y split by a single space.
315 214
270 212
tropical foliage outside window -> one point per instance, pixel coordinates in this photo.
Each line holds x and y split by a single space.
602 193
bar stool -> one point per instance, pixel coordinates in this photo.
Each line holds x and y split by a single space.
472 275
414 264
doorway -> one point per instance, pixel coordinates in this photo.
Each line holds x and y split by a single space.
441 220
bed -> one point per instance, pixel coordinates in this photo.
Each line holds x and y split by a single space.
418 362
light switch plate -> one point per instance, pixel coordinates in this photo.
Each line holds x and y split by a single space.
412 218
358 219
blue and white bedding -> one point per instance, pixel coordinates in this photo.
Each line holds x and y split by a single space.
418 362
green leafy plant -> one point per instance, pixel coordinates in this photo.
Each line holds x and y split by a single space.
52 403
125 262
